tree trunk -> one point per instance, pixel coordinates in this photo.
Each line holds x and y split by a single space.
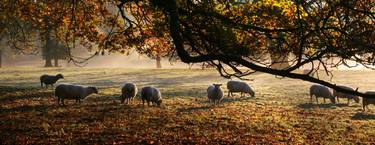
48 62
47 55
56 62
158 62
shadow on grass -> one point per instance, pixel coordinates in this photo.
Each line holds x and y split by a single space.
235 99
28 108
363 116
13 93
327 106
191 109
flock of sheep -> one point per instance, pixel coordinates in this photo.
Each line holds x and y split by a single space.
320 91
214 92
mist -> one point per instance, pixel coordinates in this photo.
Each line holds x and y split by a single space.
134 60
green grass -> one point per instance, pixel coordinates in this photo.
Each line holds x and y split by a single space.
281 112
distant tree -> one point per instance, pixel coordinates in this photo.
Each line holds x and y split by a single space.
56 51
66 21
157 48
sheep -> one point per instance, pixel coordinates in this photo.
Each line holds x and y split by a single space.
73 92
321 91
214 93
50 80
344 95
239 86
151 94
367 101
129 91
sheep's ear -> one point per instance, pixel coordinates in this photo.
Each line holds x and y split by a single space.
356 89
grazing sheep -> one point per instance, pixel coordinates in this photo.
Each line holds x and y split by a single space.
239 86
129 91
50 80
321 91
344 95
151 94
73 92
367 101
215 93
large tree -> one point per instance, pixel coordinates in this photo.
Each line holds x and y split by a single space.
238 33
64 21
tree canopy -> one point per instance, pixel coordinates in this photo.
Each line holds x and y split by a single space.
247 33
232 34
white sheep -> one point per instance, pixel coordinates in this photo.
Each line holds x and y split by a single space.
215 94
50 80
73 92
344 95
321 91
367 101
151 94
129 91
239 86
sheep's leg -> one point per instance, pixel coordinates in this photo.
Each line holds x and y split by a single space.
241 94
324 100
311 98
317 100
228 93
364 107
58 101
62 102
338 101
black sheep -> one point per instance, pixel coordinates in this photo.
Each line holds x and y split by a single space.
50 80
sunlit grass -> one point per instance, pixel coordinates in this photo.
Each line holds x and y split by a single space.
280 112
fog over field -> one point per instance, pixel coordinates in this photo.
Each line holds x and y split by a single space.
134 60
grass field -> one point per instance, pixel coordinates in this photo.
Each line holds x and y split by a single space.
280 113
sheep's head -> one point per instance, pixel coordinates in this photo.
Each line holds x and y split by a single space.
217 85
94 90
159 102
252 93
60 76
